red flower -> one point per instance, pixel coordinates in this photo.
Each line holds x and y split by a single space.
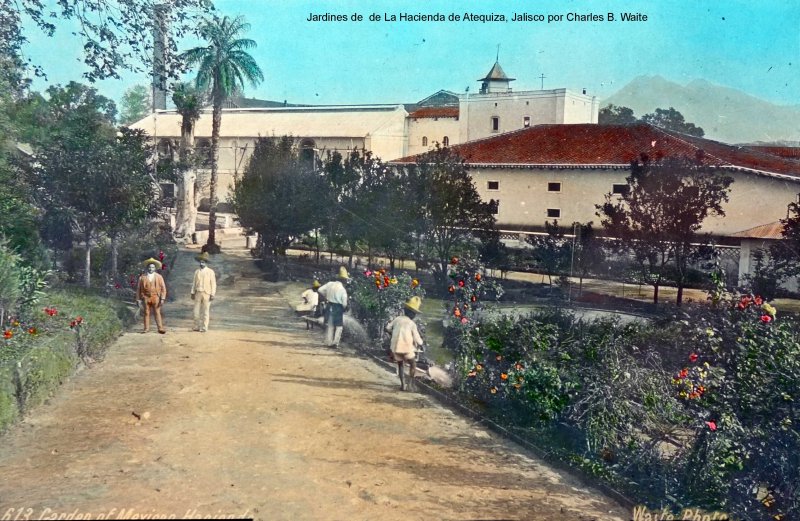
464 320
518 366
478 277
684 373
712 425
32 330
72 324
457 312
79 319
693 357
473 298
451 289
454 260
758 301
766 319
8 334
460 283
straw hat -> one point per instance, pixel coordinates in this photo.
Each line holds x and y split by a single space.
316 284
343 273
414 303
202 257
150 261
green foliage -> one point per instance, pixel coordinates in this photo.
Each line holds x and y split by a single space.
10 280
224 65
278 197
451 211
671 119
115 35
659 216
378 296
135 104
614 115
552 252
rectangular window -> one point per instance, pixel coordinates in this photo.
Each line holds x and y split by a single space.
553 187
494 204
493 185
526 121
553 213
619 189
495 124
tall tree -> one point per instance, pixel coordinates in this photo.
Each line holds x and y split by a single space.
671 119
660 214
223 65
614 115
552 250
451 211
278 196
135 103
188 103
89 175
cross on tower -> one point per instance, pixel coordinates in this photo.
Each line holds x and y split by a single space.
542 77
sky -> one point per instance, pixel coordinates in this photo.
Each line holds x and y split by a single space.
753 46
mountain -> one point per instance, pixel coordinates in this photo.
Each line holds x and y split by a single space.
726 114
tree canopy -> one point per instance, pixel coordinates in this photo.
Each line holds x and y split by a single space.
117 35
668 119
660 214
135 104
223 66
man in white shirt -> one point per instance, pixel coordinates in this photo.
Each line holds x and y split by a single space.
204 287
335 294
308 308
405 341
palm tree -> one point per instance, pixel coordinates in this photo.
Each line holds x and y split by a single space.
224 64
188 103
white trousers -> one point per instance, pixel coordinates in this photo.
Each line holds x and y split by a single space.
202 306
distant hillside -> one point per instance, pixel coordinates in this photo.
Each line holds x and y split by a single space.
725 114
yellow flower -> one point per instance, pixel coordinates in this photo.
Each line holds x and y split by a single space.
393 280
769 309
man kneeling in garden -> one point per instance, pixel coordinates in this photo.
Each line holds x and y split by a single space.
405 341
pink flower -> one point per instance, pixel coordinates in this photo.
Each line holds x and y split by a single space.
766 319
464 320
368 273
712 425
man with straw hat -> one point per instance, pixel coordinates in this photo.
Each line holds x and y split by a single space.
152 292
335 294
405 341
204 287
308 308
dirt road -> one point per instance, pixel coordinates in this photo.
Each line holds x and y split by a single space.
256 419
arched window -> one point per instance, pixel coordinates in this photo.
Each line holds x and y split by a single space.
446 141
308 153
165 149
424 141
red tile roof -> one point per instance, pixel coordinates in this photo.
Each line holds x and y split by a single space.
789 152
765 231
435 112
591 145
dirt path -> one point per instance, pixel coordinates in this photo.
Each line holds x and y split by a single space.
256 419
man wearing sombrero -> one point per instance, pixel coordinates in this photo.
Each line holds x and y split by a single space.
204 287
335 294
152 292
405 341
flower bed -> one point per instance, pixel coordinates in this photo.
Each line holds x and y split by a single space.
40 352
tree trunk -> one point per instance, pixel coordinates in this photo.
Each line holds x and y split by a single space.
185 204
212 211
114 254
680 293
655 293
87 265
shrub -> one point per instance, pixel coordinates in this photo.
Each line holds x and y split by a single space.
378 296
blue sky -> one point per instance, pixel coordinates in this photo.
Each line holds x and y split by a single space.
753 46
